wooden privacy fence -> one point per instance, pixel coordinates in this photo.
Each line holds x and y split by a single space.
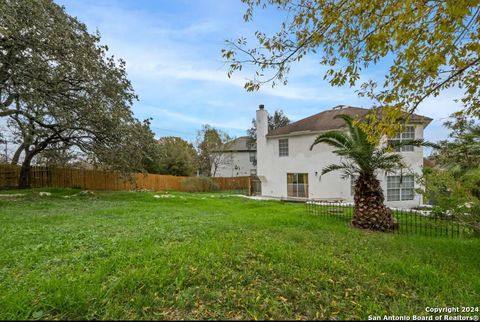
234 183
41 177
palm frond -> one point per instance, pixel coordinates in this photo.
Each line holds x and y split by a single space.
388 162
336 139
361 155
361 148
348 168
356 133
330 168
416 143
349 122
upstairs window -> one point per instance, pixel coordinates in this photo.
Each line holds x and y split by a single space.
283 147
408 134
400 188
253 157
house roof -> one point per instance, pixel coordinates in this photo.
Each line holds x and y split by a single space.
240 144
325 121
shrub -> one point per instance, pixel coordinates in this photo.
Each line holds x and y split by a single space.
453 196
471 180
199 184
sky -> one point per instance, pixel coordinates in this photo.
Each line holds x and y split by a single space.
173 57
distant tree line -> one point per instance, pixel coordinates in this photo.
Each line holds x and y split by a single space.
203 157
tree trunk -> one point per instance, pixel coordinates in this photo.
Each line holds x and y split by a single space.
16 156
24 178
369 211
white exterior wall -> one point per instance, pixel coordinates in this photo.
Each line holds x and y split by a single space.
301 160
263 155
272 169
238 165
414 162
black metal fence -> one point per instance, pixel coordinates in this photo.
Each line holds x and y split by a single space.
409 221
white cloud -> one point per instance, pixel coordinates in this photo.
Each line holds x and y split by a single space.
196 29
442 106
162 114
167 69
161 51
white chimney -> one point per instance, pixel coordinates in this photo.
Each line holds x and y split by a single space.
261 121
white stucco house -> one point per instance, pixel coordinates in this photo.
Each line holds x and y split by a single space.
288 169
237 159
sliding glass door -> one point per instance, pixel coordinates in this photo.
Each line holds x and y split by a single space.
297 185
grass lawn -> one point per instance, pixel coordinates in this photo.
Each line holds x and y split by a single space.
210 256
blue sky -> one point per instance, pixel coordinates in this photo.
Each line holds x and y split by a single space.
172 51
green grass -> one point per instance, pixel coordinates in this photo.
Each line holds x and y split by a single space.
211 256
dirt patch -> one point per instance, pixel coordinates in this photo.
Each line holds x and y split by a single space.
12 195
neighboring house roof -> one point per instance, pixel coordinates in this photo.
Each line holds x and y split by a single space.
240 144
326 120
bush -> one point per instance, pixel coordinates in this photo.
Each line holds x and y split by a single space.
471 180
199 184
453 196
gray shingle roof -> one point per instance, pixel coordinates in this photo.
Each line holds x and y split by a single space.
240 144
325 121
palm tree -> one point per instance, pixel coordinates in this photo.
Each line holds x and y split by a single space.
362 159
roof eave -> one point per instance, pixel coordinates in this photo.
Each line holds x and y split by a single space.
300 133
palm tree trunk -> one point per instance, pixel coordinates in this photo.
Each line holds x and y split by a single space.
369 211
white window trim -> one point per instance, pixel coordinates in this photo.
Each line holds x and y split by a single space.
402 190
295 186
400 138
280 148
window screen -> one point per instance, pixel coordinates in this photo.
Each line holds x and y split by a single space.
283 147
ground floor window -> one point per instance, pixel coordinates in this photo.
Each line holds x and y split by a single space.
297 185
400 188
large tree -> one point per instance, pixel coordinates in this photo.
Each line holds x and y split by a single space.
212 144
59 88
363 160
177 156
427 47
275 121
132 149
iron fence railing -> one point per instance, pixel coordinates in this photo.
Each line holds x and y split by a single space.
410 221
